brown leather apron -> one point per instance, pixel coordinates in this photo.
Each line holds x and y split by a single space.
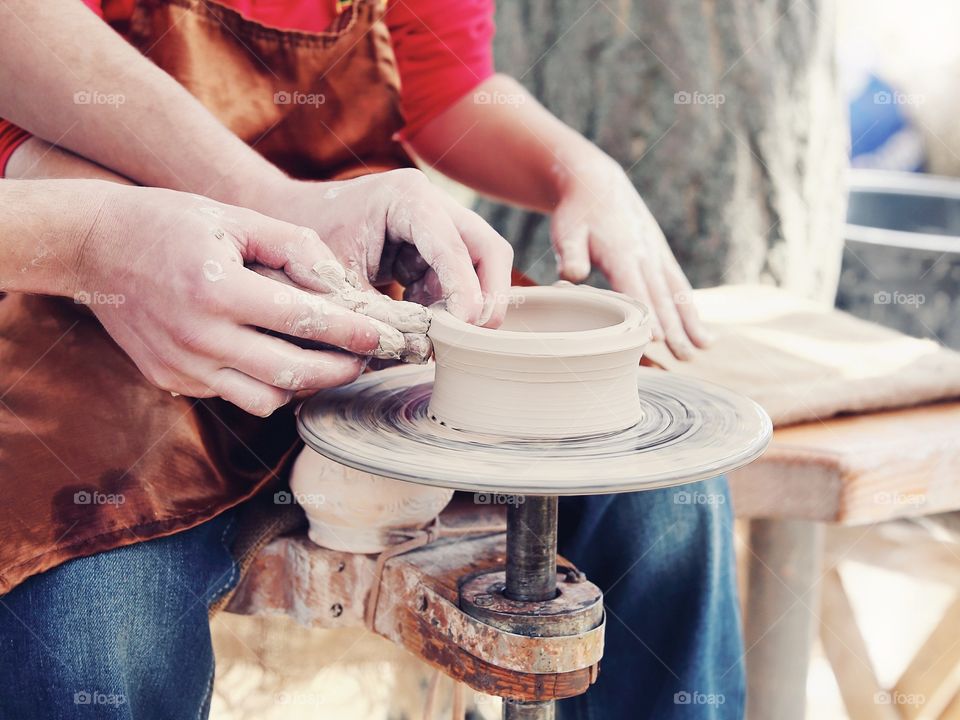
92 457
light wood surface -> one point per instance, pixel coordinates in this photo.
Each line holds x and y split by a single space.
846 650
903 546
859 469
781 606
932 679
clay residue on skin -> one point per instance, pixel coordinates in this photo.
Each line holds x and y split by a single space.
313 321
343 288
391 343
213 271
417 348
289 378
401 326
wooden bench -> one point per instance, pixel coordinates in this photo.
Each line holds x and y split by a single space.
846 472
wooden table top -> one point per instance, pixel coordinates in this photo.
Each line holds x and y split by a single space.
857 469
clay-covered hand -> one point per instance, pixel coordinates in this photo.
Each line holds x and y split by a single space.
398 225
165 274
601 220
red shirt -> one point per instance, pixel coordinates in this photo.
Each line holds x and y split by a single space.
443 48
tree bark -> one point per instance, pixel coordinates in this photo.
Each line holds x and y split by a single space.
725 113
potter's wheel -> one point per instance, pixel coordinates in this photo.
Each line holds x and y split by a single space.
690 430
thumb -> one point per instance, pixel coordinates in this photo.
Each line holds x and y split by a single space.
301 255
572 243
281 245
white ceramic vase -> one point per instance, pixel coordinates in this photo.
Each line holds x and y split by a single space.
357 512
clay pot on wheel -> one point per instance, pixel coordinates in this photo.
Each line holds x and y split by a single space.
563 364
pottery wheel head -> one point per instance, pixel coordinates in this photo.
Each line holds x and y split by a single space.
689 430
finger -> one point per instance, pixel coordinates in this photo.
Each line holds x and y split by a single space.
273 273
288 367
404 316
625 277
492 257
683 298
666 310
571 242
253 396
441 246
418 349
265 303
407 317
281 245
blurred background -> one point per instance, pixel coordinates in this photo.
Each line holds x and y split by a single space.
892 100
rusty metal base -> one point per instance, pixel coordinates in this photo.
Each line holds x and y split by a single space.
572 619
577 608
422 612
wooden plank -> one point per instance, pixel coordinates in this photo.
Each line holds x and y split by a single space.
932 679
901 546
857 469
952 711
783 568
847 652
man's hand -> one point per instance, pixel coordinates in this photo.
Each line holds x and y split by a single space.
190 309
601 220
397 225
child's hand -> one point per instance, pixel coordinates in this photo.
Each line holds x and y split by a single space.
601 219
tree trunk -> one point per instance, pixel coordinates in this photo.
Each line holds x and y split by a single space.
725 113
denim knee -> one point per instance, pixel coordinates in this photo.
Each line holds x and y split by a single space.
664 560
119 634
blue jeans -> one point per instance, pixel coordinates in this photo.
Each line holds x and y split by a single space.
119 635
664 560
125 634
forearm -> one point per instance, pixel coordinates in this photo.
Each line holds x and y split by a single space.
44 226
143 125
506 145
37 159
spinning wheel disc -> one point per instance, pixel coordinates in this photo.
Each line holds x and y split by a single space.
690 430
